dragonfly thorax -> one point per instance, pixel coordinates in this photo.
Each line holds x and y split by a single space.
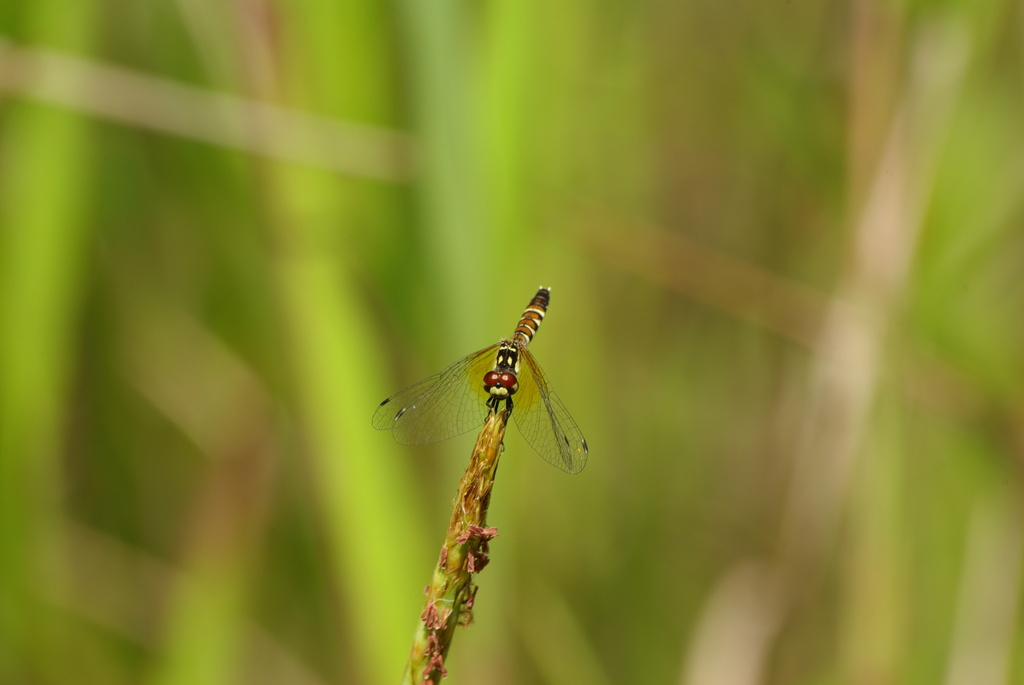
507 358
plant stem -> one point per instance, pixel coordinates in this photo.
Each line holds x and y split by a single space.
451 592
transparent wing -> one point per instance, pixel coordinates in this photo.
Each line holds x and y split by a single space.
440 407
544 421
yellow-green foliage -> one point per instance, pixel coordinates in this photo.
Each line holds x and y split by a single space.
785 250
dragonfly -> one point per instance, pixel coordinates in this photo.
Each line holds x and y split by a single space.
459 398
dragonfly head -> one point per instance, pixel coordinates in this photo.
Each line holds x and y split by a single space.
501 384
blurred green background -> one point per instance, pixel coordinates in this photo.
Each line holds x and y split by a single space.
785 247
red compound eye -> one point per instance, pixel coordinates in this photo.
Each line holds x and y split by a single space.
501 384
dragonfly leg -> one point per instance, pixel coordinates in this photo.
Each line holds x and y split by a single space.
495 401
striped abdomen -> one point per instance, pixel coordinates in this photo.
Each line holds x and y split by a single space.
532 317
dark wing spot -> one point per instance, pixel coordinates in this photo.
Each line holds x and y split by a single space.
400 412
584 441
384 402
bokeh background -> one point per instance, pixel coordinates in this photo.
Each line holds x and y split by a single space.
785 247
